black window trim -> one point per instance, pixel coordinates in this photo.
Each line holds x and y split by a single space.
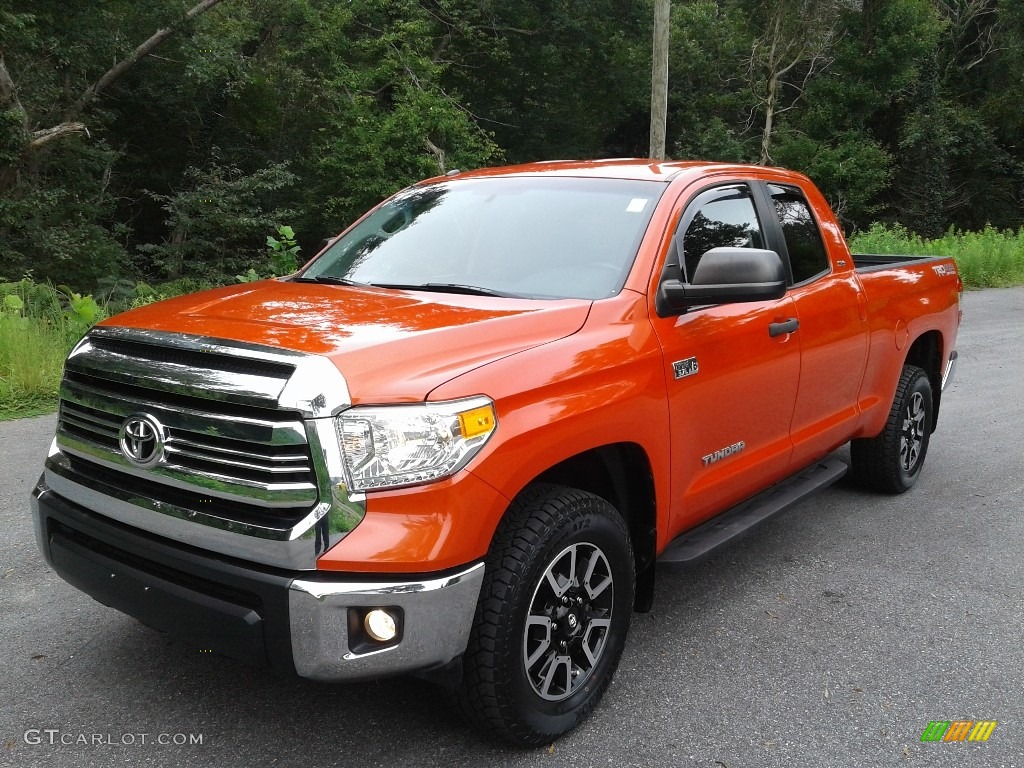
675 260
778 236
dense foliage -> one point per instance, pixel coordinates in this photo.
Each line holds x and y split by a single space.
164 141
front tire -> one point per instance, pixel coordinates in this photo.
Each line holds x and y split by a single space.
892 461
552 617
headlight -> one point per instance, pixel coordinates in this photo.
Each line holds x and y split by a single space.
391 445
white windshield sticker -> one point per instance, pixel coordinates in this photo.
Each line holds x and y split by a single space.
636 205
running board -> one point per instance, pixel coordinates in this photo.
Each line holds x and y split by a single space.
696 544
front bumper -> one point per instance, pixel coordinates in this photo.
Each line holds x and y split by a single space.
303 623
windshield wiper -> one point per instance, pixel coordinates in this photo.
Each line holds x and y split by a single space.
327 280
469 290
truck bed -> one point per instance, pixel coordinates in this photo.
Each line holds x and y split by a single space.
866 262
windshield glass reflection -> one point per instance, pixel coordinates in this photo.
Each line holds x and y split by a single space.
521 236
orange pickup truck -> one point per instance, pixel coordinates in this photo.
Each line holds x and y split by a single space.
458 442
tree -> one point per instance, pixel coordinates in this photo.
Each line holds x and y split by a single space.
846 131
149 140
796 45
38 137
709 101
56 201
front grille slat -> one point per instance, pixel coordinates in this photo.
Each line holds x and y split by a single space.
249 514
140 350
174 450
89 425
216 422
256 452
240 456
89 414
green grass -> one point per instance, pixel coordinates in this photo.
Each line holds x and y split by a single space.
38 327
987 259
32 352
40 323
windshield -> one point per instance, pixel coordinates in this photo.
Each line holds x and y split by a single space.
536 237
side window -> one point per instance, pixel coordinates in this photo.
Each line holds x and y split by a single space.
807 254
724 217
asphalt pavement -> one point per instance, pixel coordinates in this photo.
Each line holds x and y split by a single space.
831 637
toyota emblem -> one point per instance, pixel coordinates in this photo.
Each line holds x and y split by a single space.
142 440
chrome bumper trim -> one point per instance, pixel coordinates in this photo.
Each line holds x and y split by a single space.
437 613
295 548
947 375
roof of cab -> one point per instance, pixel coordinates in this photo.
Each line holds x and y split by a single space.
641 169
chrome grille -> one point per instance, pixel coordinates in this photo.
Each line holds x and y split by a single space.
230 447
203 452
236 448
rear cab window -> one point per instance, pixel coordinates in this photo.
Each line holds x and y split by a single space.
807 255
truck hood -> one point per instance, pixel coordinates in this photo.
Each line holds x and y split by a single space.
391 346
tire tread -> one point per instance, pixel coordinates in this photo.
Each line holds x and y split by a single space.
876 460
484 698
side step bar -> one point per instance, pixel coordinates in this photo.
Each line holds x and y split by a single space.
696 544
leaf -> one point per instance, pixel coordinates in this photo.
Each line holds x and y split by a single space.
85 308
249 277
13 302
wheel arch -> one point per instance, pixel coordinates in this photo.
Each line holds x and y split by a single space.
926 353
621 474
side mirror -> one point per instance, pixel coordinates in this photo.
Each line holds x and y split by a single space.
725 276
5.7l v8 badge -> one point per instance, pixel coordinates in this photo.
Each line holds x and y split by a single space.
683 368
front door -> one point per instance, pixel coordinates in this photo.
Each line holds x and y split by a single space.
732 384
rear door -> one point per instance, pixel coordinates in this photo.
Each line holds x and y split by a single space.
732 385
832 333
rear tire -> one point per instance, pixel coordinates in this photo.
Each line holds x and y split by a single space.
552 618
892 461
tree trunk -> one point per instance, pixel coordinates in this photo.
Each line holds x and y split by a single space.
769 119
438 154
659 78
46 135
8 93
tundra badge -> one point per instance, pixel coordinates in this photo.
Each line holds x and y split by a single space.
722 453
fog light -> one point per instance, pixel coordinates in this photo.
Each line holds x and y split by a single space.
380 625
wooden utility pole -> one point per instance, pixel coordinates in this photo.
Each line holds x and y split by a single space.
659 78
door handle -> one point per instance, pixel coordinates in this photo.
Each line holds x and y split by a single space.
788 326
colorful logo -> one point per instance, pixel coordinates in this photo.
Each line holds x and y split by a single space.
959 730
